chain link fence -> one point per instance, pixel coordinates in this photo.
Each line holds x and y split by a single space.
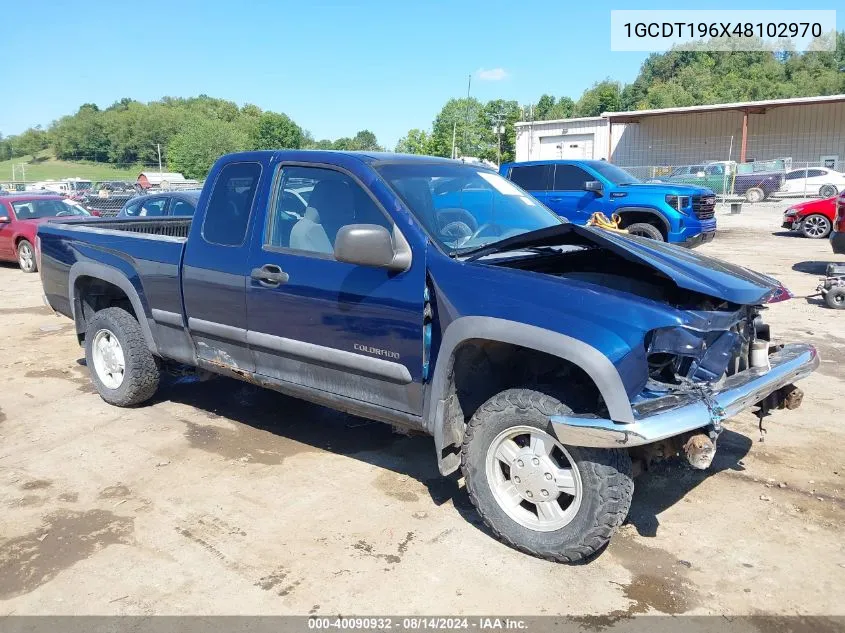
104 198
769 167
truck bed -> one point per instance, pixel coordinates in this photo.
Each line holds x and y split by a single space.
146 251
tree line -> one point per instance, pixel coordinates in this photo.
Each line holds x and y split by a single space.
190 133
193 132
672 79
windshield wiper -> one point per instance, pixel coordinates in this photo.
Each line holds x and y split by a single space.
547 236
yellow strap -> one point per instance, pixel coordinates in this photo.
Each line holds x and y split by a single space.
600 220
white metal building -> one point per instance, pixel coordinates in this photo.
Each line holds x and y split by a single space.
809 130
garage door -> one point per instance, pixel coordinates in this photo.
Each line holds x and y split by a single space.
570 146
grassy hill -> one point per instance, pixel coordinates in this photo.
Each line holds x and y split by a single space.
44 166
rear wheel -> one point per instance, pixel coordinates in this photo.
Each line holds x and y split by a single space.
123 369
835 298
26 257
755 194
554 501
645 230
828 191
815 226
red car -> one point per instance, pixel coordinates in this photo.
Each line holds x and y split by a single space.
837 237
20 215
813 218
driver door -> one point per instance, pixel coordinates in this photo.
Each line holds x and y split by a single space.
332 326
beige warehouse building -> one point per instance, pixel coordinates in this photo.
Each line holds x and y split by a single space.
807 131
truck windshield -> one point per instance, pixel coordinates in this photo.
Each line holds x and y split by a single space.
614 174
465 207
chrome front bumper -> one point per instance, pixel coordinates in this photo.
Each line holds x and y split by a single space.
675 414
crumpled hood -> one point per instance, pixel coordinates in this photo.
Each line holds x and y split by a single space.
688 269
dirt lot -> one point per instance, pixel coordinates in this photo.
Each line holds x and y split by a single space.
221 498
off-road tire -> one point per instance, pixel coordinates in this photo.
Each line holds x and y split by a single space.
646 230
141 374
32 265
607 484
835 298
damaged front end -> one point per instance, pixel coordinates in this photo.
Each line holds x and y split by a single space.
699 375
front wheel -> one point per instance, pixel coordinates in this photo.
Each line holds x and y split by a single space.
26 257
815 226
755 194
557 502
645 230
123 369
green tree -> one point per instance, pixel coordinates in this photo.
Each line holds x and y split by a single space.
604 96
276 131
466 118
195 148
416 141
366 141
505 113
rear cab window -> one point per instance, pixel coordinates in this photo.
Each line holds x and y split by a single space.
531 177
230 204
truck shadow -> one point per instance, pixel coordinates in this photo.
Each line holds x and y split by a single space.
289 419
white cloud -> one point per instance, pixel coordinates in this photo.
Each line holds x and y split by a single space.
492 74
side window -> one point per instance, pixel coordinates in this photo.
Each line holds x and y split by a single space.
715 170
570 178
798 174
815 173
312 204
181 207
531 177
153 208
132 209
230 204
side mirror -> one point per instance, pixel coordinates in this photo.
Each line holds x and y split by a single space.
371 245
594 186
4 219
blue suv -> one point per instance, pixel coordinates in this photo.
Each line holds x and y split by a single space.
575 189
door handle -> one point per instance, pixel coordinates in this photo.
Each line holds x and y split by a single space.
269 275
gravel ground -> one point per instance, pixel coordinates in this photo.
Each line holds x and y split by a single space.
219 498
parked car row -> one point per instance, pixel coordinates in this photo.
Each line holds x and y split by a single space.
20 215
723 178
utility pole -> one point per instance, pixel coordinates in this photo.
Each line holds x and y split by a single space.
454 132
466 123
499 129
158 145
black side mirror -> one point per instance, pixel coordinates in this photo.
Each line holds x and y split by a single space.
594 186
371 245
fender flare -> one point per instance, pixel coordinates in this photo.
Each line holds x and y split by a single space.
597 366
116 277
650 211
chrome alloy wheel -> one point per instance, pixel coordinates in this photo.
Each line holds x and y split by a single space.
533 478
109 362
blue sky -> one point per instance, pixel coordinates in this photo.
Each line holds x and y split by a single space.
334 67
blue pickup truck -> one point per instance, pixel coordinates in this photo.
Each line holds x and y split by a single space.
544 358
575 189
